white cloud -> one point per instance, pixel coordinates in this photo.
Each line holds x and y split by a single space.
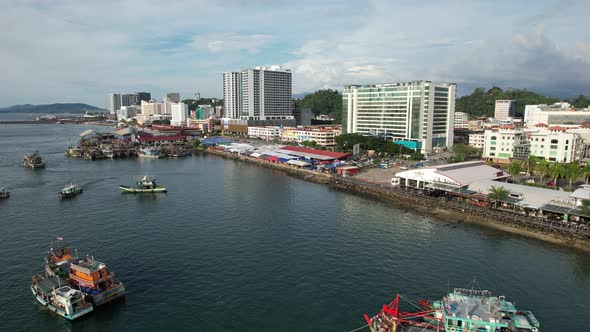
232 42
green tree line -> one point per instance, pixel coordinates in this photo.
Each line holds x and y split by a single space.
482 103
327 102
479 103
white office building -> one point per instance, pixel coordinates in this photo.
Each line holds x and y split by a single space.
558 114
179 114
556 144
504 109
114 103
266 93
461 120
232 95
417 111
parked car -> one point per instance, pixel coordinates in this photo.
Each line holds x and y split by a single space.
550 183
403 167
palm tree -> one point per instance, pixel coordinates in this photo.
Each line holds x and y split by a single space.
572 172
586 172
515 168
531 164
556 171
498 194
542 169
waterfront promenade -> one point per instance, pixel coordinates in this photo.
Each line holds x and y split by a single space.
442 207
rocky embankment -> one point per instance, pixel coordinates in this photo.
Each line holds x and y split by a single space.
441 207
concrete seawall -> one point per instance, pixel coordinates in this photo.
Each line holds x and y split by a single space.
438 207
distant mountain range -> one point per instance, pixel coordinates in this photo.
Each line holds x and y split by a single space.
52 108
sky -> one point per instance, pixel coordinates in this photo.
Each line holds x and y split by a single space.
80 51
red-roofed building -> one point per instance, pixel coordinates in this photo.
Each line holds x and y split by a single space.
585 125
541 125
557 128
160 139
313 153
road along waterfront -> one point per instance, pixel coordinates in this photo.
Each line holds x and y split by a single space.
233 246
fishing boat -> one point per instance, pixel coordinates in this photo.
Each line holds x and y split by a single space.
4 193
149 153
95 280
55 294
69 191
33 160
464 309
73 152
57 262
145 185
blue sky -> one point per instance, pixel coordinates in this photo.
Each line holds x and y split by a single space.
80 51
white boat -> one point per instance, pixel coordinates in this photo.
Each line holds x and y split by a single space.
54 294
145 185
4 193
70 190
149 153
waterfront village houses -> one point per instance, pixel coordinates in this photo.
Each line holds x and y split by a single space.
555 144
420 112
323 136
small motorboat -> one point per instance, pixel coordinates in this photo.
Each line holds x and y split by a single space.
70 190
145 185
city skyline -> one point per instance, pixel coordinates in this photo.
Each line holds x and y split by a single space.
81 52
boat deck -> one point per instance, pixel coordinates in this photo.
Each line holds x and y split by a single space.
47 285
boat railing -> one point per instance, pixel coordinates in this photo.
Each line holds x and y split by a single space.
472 292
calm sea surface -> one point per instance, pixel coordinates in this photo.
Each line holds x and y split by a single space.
236 247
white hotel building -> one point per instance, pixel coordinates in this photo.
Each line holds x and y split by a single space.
267 93
419 111
555 144
558 114
232 95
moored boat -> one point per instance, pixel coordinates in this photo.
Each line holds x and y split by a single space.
461 310
4 193
70 190
33 160
149 153
55 294
73 152
94 279
145 185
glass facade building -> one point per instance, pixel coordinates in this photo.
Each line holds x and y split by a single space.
417 110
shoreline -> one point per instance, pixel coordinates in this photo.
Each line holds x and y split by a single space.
418 204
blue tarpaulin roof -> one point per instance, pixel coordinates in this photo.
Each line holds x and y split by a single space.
215 140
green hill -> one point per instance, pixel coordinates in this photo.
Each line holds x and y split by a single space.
52 108
482 103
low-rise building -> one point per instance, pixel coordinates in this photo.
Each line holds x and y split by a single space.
476 140
461 120
266 133
448 177
323 136
475 125
557 144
